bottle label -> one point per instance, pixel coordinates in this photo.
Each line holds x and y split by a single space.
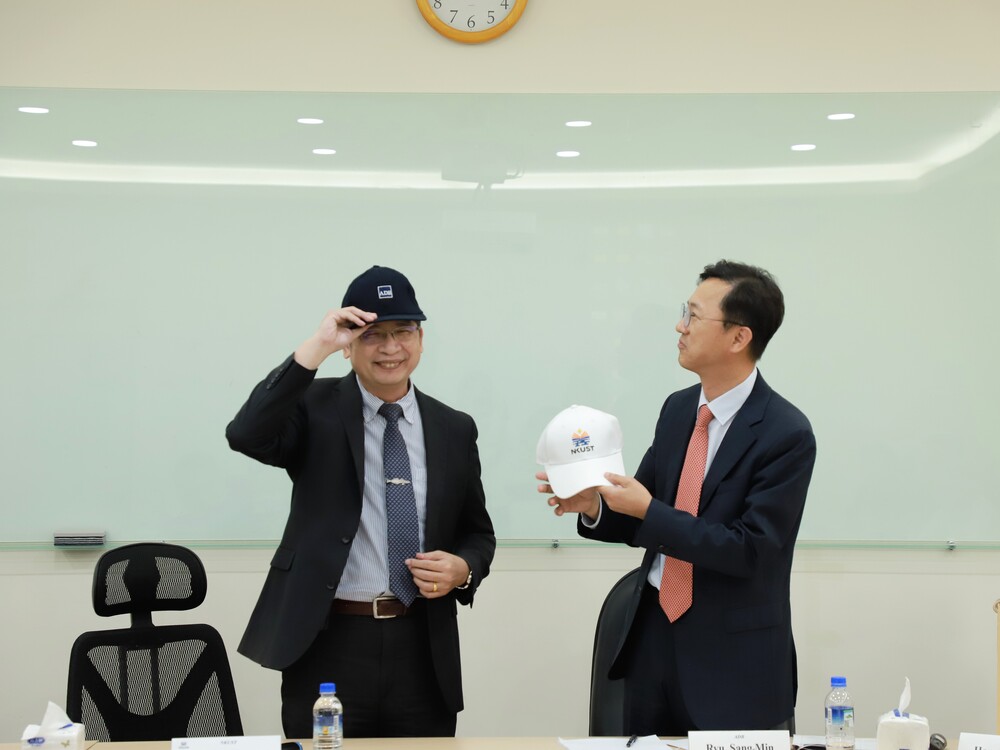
327 726
841 716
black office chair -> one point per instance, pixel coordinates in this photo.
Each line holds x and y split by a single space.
607 697
149 682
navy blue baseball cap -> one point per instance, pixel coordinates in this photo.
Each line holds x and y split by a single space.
386 292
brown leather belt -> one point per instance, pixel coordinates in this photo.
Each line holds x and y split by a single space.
382 608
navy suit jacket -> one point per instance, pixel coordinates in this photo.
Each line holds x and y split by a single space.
734 648
314 429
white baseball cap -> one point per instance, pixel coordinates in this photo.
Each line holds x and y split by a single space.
577 447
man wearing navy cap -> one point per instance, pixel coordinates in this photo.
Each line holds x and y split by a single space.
387 530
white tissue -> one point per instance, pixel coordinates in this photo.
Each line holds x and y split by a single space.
904 697
55 729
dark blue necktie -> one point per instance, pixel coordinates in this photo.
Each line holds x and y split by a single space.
402 529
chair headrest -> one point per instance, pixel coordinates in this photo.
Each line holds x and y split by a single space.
148 577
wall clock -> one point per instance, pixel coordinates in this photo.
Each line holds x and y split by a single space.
471 21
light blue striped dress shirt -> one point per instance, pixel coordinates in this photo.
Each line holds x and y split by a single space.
366 574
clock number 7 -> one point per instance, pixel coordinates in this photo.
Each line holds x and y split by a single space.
453 14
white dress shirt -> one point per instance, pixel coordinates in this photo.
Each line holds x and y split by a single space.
366 574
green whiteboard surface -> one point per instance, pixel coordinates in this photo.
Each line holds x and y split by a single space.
149 283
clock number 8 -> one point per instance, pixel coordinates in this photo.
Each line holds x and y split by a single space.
437 4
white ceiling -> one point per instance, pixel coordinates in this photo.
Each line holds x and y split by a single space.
411 140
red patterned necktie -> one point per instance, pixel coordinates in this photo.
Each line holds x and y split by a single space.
676 584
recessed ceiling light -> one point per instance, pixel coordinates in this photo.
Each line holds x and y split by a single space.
804 147
579 124
85 144
324 151
567 154
33 110
841 116
309 121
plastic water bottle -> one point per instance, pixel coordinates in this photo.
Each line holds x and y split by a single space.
839 716
328 719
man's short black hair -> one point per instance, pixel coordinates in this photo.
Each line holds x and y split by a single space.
755 300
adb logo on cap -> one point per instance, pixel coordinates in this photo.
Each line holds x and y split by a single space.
577 447
385 292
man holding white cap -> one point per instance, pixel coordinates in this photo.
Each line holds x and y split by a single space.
717 502
387 530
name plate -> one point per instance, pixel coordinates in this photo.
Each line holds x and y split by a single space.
748 740
970 741
268 742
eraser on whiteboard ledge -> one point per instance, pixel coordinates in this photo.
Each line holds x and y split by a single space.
78 539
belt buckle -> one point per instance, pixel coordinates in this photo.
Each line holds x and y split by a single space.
375 602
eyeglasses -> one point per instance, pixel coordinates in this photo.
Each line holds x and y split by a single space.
401 335
687 316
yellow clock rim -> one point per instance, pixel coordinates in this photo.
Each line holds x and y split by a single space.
471 37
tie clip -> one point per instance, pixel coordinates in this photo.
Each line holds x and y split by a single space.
397 480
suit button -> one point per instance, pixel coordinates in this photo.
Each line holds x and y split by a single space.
331 586
345 539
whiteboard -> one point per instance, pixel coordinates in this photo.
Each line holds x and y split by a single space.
138 315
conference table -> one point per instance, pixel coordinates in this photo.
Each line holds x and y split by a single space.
400 743
395 743
392 743
381 743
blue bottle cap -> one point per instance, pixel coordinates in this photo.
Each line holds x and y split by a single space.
328 687
838 682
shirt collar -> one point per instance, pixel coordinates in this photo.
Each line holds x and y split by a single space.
370 403
724 407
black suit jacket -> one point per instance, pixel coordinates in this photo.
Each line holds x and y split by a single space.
734 648
314 429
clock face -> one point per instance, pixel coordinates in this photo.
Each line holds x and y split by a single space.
471 21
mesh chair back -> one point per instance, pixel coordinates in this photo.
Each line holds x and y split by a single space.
138 579
151 682
607 696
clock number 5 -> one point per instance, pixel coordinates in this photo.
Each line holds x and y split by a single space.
471 21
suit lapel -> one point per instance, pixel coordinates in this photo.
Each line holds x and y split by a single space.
349 407
739 437
436 452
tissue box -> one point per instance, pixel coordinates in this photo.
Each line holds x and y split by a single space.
902 731
69 737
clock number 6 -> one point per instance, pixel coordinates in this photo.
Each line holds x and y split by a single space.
471 23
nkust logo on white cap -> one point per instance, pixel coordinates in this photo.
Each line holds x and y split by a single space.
577 447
